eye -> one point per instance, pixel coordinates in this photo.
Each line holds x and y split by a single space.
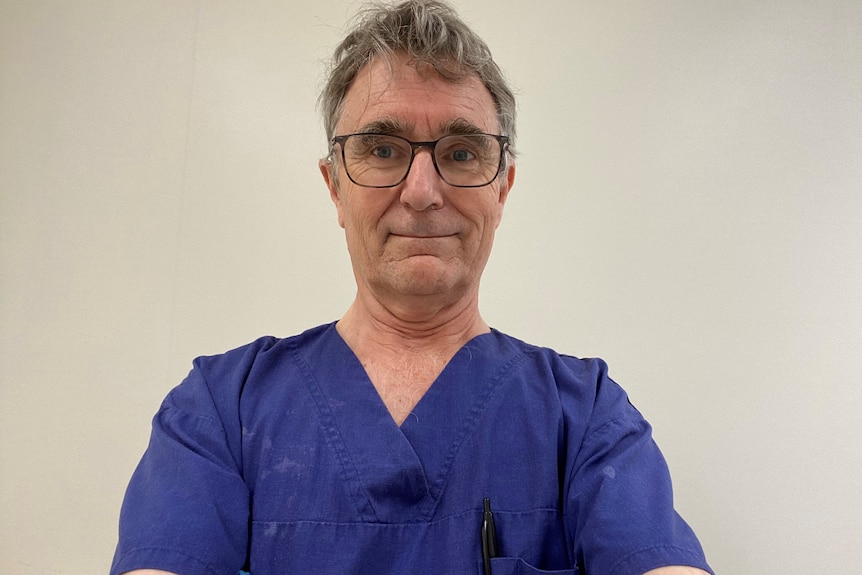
462 155
383 151
466 149
379 148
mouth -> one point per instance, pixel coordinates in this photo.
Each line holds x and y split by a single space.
419 244
422 235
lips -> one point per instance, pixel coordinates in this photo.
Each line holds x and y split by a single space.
422 236
414 244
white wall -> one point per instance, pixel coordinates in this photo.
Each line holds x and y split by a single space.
688 206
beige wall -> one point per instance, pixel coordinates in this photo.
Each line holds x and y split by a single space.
688 206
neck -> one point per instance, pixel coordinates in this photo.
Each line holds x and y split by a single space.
369 326
404 349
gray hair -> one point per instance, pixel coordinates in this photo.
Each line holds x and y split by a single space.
432 34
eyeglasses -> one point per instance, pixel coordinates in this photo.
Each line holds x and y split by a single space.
383 161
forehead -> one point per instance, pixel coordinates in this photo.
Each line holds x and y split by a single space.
417 100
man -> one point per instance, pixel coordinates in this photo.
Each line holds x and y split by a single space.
408 437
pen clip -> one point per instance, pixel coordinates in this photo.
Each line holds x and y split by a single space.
489 536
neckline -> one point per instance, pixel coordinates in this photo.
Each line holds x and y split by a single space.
398 473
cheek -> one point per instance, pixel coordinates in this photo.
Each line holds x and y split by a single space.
360 221
485 215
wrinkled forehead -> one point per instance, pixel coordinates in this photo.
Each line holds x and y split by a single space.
415 100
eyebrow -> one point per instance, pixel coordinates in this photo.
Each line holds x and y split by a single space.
389 126
392 126
461 126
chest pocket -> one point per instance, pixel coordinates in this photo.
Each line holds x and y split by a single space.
517 566
530 542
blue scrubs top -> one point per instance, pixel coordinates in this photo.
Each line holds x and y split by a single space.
281 458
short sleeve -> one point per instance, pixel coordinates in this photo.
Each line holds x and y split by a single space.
619 494
186 509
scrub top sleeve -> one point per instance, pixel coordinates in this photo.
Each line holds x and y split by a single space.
186 509
619 495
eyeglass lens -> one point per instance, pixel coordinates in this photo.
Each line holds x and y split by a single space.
378 160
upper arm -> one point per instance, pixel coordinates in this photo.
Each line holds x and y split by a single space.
619 495
189 470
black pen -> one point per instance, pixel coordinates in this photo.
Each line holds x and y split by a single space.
489 537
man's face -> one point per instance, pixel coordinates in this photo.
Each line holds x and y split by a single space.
422 237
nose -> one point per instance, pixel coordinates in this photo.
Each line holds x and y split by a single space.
423 187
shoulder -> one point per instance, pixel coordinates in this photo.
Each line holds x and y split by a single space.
223 377
256 355
563 369
583 385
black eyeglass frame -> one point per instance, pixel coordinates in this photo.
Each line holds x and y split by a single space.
503 141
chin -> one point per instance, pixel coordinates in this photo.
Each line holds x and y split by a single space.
424 288
425 276
426 283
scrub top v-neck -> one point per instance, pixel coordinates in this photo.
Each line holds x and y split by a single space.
400 470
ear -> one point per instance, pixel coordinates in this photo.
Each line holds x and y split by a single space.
327 170
506 184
